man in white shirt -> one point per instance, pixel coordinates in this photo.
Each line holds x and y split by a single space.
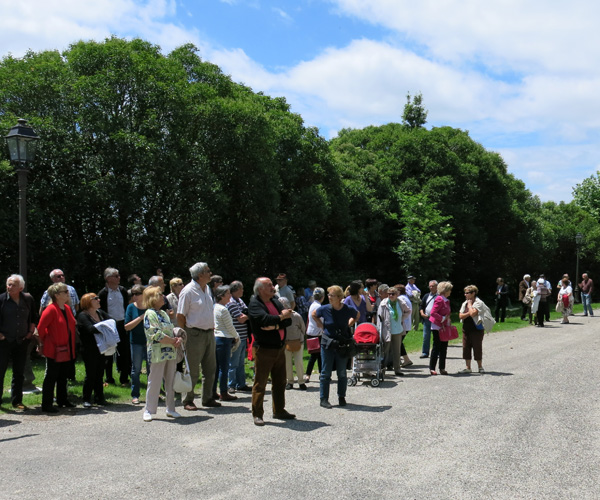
195 315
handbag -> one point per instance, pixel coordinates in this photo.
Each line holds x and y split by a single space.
183 381
448 333
293 345
348 349
313 345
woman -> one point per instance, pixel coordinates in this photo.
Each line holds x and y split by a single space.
357 299
56 330
565 300
93 359
372 296
471 316
390 315
440 317
134 317
176 285
335 319
237 367
529 301
226 338
161 346
542 310
294 348
318 294
407 305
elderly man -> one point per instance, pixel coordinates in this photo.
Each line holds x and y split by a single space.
114 300
268 320
195 315
17 324
425 311
523 286
285 290
57 276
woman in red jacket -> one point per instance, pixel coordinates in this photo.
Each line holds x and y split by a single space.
440 317
57 343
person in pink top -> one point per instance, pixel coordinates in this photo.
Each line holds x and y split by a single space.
439 317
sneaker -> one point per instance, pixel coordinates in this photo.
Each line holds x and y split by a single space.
466 370
172 414
481 370
147 417
289 386
302 387
87 404
231 391
326 404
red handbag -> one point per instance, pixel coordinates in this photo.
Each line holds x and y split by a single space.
449 332
313 345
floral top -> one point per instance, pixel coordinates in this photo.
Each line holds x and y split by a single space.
157 325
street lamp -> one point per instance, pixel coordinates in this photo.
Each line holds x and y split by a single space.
578 241
22 141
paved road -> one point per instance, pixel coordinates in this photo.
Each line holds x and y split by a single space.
528 428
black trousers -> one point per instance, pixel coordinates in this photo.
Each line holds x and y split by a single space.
500 309
17 352
94 368
440 349
56 376
543 312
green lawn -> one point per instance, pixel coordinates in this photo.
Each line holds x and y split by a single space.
117 394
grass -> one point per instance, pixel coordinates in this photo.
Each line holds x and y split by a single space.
117 394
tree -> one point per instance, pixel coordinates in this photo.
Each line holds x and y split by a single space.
415 115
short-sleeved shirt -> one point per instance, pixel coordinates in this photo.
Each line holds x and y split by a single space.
137 335
362 308
335 321
196 305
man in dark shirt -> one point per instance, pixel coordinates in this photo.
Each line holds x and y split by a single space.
17 324
587 287
268 320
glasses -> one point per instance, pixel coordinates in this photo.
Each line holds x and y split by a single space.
59 275
137 293
392 293
95 298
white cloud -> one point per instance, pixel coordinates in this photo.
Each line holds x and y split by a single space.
283 14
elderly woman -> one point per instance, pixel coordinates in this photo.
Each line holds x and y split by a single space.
226 339
357 299
471 316
335 319
238 310
564 303
57 343
93 359
313 330
407 315
134 324
175 285
440 317
390 316
162 345
294 348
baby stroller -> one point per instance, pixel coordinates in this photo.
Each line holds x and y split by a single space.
367 361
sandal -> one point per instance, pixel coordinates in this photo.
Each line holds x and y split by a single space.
432 372
466 370
135 401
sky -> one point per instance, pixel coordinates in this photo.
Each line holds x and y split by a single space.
522 77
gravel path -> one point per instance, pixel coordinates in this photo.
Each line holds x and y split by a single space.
528 428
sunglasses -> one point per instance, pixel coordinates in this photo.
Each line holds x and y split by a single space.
95 298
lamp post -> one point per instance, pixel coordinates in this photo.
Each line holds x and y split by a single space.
578 241
22 141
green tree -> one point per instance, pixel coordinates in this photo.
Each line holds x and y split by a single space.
415 114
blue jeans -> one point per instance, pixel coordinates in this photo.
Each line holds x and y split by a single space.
223 345
237 370
328 357
138 355
586 300
426 336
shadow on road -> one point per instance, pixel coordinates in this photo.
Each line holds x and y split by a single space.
298 424
18 437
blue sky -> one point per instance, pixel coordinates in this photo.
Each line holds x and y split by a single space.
521 77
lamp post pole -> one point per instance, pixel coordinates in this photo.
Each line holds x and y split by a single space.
578 240
21 141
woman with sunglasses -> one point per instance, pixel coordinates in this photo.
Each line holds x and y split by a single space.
134 324
93 359
471 315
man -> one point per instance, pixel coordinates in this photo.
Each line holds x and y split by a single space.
549 287
57 276
284 290
17 324
523 286
425 311
414 294
114 300
587 287
308 292
501 300
268 321
195 315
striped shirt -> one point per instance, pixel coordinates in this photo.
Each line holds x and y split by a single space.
236 308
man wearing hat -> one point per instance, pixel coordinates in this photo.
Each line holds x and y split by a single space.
284 290
414 294
523 286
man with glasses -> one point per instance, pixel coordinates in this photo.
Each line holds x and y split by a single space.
17 324
57 276
114 300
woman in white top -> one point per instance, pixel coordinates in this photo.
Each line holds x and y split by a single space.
565 300
226 339
314 331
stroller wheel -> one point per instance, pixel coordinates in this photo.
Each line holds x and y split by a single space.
351 381
375 382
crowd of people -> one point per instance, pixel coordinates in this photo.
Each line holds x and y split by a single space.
205 328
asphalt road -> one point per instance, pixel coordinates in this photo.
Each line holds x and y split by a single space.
528 428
